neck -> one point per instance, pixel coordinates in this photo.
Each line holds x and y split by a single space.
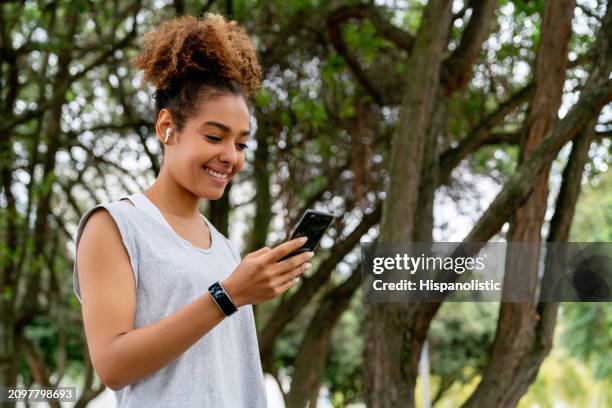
171 198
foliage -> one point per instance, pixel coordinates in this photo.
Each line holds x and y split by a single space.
345 360
459 340
587 333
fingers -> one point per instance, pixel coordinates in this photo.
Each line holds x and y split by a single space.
292 277
260 251
294 273
284 249
294 261
286 286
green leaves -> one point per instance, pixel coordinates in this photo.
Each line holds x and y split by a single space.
587 334
587 327
528 8
460 338
263 97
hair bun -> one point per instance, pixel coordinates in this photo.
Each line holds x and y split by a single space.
185 46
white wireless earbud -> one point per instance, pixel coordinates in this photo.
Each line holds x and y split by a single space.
168 131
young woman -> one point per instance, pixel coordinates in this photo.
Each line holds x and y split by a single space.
166 299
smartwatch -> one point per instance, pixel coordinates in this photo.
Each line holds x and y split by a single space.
222 299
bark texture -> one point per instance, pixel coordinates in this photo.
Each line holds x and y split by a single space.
516 329
389 382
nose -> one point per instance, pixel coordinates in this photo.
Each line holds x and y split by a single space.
229 154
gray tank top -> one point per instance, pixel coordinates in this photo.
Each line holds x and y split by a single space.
223 368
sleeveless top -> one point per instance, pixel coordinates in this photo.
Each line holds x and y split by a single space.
223 368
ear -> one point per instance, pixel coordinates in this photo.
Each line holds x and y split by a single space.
164 121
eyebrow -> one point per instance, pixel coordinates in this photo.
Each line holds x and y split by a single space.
226 128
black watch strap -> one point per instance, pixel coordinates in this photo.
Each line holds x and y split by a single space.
222 299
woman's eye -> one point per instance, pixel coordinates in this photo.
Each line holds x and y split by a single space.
241 146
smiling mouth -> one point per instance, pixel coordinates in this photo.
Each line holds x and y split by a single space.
216 174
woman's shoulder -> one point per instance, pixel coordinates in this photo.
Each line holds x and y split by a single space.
117 205
107 220
98 224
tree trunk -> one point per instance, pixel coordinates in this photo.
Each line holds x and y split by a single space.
559 232
388 381
309 364
8 363
423 230
261 173
516 329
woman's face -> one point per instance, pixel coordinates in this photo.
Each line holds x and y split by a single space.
210 149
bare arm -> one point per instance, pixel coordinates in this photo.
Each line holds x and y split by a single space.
121 354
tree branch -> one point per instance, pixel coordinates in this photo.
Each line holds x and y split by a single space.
397 36
479 136
456 69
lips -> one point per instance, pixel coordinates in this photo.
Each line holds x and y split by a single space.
217 174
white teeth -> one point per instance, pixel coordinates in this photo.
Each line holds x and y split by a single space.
216 173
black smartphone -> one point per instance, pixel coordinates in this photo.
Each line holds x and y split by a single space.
313 225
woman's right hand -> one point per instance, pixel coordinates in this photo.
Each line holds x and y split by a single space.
259 277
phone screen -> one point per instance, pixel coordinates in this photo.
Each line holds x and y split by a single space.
313 225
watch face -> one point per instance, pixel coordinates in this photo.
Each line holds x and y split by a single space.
222 299
216 290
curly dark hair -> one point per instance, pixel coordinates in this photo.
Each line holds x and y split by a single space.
189 61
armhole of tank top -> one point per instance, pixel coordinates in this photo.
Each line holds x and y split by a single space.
129 201
131 251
